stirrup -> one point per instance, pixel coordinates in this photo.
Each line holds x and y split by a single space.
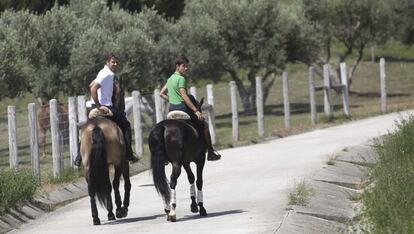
213 156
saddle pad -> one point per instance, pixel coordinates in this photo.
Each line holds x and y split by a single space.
177 115
95 112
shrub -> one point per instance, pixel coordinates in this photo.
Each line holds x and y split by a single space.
389 205
15 187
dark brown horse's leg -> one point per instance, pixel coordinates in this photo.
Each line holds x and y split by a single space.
176 171
190 176
200 166
115 185
109 206
94 210
127 189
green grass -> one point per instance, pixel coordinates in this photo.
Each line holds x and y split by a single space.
389 205
15 188
301 194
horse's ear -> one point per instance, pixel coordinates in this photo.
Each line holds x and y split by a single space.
201 102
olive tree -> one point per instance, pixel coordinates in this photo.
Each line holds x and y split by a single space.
243 39
19 56
353 24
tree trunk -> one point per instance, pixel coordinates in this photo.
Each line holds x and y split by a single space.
243 92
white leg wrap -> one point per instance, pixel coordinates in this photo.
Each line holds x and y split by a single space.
192 190
173 197
199 196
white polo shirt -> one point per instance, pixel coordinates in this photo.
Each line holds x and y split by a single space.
105 78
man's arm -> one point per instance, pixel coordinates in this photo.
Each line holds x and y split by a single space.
188 102
163 93
94 93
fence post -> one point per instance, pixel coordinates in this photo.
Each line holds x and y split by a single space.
286 103
54 130
34 140
326 90
259 107
136 108
211 117
383 86
82 110
13 158
193 91
312 98
73 131
158 106
345 93
234 111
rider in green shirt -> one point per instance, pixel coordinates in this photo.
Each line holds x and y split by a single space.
175 92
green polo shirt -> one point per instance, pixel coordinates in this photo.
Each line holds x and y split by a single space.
174 83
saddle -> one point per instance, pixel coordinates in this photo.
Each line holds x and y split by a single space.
95 112
177 114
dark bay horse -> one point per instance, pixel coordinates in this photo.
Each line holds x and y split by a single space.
179 142
102 145
43 119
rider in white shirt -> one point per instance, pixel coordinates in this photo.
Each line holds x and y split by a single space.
102 90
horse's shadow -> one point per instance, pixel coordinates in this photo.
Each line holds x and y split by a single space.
210 215
185 218
136 219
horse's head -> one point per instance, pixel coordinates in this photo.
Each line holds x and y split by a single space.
196 103
118 99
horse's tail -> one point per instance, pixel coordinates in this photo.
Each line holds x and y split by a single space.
99 183
158 157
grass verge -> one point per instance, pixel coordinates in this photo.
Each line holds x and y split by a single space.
15 188
389 205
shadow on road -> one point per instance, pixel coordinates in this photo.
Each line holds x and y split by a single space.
210 215
131 220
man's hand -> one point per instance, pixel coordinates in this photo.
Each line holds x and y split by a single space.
104 109
199 115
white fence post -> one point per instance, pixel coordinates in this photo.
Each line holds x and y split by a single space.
193 91
326 88
234 111
345 93
158 106
82 116
286 102
73 131
136 107
259 107
312 97
54 130
383 86
34 140
13 158
211 116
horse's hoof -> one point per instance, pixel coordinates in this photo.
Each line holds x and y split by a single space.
171 218
121 213
203 211
111 217
167 211
194 208
96 221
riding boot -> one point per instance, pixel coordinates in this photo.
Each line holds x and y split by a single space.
212 155
78 161
130 156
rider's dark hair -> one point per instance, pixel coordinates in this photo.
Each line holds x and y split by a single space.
109 56
181 60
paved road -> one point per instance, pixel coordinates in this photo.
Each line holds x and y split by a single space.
245 192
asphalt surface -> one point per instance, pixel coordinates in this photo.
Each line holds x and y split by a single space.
245 192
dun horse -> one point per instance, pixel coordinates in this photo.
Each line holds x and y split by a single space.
179 142
43 119
102 145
